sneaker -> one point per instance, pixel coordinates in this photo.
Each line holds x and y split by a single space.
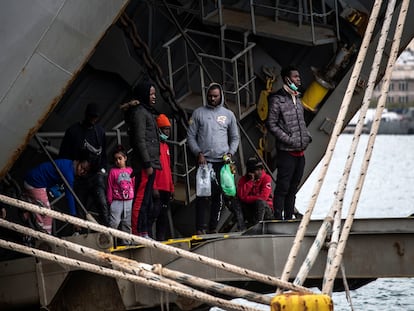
146 236
298 215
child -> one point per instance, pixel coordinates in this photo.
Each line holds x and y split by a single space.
44 176
163 189
120 191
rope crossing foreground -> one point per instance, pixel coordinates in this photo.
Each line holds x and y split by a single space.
156 245
336 208
328 286
156 272
332 142
177 289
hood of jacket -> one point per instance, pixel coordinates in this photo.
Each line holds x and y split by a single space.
142 93
215 84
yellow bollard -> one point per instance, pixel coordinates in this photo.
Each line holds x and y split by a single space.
314 94
301 302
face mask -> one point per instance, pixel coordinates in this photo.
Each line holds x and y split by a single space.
163 136
291 85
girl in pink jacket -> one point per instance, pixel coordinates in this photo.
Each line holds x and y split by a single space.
120 191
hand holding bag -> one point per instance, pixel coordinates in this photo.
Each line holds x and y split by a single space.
227 182
203 180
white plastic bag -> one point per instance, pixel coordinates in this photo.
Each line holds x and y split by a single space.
203 180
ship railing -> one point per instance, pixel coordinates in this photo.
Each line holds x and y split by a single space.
217 66
303 12
235 84
181 168
179 67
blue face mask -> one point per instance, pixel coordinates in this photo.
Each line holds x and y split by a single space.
291 85
163 137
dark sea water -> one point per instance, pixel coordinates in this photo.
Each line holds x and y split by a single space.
388 192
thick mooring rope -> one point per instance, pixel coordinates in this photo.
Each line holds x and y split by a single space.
336 209
131 266
154 244
368 152
179 290
313 252
332 142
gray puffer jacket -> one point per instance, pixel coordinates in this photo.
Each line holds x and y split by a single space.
286 122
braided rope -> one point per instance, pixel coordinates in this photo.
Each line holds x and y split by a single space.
313 251
332 142
143 280
130 266
336 209
368 152
212 286
154 244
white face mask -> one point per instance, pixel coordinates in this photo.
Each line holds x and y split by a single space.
163 136
291 85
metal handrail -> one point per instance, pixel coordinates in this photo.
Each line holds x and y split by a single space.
116 132
237 87
300 13
249 47
246 85
187 169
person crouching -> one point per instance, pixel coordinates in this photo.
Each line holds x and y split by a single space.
254 191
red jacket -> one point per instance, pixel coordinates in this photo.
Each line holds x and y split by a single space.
250 191
163 178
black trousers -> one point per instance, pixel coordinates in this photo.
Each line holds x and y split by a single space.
91 191
258 211
289 174
159 215
208 208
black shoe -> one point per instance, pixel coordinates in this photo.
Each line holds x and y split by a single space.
298 215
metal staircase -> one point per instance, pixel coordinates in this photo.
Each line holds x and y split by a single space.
196 58
229 63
